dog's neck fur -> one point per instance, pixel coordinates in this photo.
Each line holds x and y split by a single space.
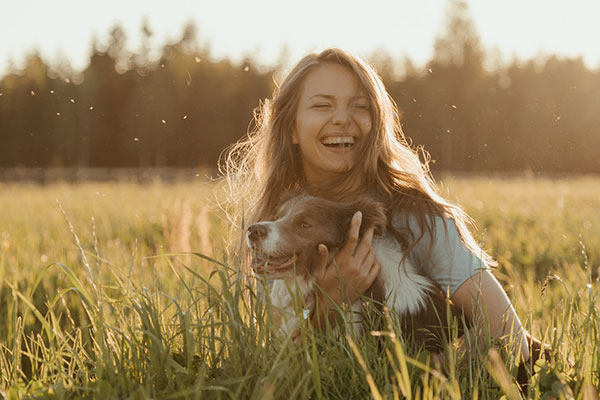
300 287
293 294
405 289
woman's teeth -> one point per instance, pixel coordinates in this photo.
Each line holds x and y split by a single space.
344 141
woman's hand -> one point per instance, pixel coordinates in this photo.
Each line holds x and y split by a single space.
352 271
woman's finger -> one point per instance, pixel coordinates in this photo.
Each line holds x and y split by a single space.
348 248
371 270
373 273
323 256
364 246
369 260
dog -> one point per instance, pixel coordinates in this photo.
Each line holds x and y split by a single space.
285 251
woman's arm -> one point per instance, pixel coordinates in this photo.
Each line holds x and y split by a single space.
349 275
446 259
483 292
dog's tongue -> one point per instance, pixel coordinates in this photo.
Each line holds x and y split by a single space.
273 262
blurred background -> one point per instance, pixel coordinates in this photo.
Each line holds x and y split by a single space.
506 87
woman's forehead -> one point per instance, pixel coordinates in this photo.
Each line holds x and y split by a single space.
331 80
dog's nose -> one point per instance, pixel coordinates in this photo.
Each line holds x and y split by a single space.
257 232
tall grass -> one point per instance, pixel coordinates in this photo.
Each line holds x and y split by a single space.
113 308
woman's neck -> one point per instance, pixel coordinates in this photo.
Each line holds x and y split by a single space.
337 188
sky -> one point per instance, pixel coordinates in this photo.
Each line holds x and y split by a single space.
523 29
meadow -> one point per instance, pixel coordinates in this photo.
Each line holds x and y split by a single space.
125 290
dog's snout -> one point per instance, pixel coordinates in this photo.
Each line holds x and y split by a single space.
257 232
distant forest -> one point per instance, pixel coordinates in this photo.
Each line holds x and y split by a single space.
183 110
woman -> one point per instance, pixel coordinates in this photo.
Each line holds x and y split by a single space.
332 130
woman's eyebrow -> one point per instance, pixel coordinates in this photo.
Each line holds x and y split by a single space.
328 96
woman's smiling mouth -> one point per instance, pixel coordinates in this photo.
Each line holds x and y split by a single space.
338 141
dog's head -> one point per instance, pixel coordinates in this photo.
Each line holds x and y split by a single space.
288 246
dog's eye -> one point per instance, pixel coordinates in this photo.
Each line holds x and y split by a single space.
304 225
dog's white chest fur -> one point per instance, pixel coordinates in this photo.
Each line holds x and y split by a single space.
405 290
283 295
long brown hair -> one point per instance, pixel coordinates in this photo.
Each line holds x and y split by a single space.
263 165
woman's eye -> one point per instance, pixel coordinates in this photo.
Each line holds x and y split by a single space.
304 225
362 106
321 105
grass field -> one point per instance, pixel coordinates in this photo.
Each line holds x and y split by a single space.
94 304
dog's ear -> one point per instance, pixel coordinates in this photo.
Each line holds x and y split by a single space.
287 195
373 215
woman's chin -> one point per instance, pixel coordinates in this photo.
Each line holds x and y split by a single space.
330 173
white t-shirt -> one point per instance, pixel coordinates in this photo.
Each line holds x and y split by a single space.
450 262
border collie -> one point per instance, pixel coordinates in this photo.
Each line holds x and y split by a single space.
285 251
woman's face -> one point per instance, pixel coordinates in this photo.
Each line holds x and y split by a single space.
332 121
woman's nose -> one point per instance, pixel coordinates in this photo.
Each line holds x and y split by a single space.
341 116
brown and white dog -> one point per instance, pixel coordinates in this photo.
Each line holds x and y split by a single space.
285 251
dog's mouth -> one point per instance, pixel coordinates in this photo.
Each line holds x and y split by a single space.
265 265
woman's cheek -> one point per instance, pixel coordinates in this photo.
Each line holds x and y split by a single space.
364 122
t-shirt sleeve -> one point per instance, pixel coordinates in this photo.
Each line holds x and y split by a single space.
448 261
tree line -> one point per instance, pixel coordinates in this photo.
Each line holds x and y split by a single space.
126 110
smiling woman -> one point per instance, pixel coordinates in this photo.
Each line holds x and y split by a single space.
332 120
332 131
